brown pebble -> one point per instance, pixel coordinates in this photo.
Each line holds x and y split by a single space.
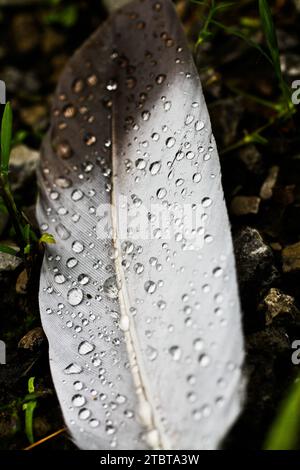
243 205
277 303
291 258
284 195
266 191
33 115
22 282
276 246
33 340
25 32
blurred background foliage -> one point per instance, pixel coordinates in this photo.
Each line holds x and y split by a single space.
248 57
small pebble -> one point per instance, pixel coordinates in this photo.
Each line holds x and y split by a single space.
277 303
33 340
244 205
291 258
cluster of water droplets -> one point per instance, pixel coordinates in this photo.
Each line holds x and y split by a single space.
173 280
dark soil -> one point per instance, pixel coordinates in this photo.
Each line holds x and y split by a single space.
33 51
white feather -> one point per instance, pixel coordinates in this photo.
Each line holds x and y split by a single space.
157 316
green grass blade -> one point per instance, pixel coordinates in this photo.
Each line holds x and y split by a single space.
271 38
236 32
8 250
269 31
224 5
29 408
284 433
6 136
26 231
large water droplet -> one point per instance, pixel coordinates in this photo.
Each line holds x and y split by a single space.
75 296
189 119
160 79
94 423
84 414
111 287
78 400
198 344
139 268
170 142
121 399
206 202
77 194
83 279
199 125
161 193
71 262
217 272
167 105
146 115
161 304
204 360
197 177
151 353
78 385
59 278
77 246
155 168
63 182
110 429
73 369
64 150
62 232
175 352
112 85
140 164
85 348
150 287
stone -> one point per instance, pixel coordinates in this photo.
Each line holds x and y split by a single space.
23 163
9 262
254 260
251 158
266 190
290 65
291 258
277 303
58 63
22 282
286 39
276 246
244 205
51 40
35 116
25 32
33 340
226 115
284 195
16 79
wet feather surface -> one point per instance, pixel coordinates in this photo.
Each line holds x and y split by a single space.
138 296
